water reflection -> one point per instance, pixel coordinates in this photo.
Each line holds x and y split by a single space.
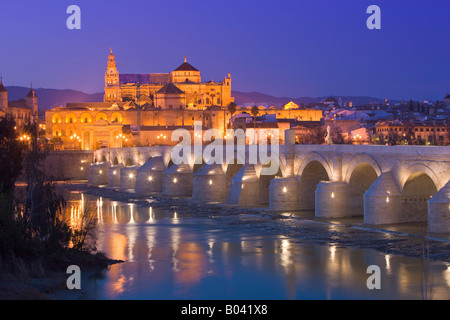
172 257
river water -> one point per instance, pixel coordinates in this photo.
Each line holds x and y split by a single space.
171 257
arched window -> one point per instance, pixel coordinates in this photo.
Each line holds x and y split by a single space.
56 131
85 118
101 115
56 118
70 130
71 118
116 117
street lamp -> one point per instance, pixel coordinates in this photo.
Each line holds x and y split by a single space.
122 138
75 138
161 137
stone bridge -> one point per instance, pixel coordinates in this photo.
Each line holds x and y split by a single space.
385 184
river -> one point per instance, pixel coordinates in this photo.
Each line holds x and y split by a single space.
170 257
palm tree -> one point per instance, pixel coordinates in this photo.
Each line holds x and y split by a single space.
254 112
232 108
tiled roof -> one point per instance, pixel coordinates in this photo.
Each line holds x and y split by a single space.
21 103
152 78
170 88
186 67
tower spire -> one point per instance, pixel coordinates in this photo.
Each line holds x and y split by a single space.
185 58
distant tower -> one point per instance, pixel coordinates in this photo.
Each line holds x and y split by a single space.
32 102
447 99
112 92
3 96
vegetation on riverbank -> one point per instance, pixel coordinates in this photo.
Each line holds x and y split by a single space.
37 237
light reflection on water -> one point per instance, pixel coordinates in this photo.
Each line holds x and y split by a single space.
168 257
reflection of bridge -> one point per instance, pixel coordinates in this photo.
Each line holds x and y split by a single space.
385 184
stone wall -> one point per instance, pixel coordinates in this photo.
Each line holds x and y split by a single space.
67 165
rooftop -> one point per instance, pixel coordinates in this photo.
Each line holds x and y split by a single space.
185 66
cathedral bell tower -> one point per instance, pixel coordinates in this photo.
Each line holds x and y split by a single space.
112 92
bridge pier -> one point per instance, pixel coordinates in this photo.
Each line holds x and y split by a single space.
244 187
114 175
331 200
128 177
178 181
210 183
284 194
98 173
382 201
439 211
150 176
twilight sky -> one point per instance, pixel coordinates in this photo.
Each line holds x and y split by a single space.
283 48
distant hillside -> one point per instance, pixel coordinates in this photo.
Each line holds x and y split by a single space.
49 98
260 98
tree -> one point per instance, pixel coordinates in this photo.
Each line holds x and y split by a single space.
11 154
232 108
337 137
254 112
313 136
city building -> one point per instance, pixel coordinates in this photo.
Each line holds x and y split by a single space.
427 132
22 110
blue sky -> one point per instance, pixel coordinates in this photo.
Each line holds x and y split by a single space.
283 48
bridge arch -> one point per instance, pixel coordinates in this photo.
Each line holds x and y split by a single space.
356 162
313 170
128 162
419 168
315 157
419 184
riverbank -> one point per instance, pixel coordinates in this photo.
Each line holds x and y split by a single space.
45 278
405 239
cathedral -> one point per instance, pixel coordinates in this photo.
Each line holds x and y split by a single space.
182 88
144 110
